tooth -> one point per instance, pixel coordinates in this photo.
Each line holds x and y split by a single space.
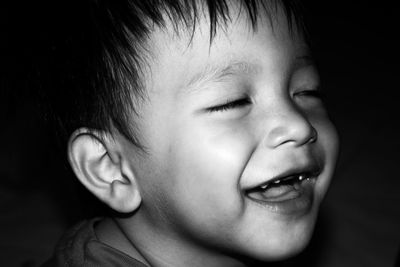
264 186
277 181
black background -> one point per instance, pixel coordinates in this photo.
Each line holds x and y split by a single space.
356 44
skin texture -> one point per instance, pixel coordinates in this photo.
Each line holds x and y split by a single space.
203 152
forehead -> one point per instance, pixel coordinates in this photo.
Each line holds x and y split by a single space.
187 58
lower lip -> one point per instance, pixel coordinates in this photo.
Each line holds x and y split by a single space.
299 202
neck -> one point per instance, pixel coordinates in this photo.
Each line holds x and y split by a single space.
109 232
155 248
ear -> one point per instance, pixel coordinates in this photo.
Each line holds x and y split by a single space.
98 162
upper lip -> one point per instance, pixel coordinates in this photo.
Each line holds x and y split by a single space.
310 169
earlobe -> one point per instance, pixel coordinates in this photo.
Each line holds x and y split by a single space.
97 162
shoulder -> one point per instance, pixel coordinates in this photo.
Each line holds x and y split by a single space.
80 246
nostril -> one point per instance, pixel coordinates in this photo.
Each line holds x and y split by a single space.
297 133
313 136
276 137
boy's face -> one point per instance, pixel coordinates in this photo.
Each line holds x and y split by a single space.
222 121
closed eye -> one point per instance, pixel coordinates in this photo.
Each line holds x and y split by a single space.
239 103
310 93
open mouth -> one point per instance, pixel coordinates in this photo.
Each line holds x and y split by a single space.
282 188
286 194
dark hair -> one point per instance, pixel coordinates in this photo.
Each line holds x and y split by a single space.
100 53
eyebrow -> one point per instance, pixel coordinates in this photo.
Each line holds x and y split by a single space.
303 61
213 73
216 73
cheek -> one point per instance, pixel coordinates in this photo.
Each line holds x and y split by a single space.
327 133
207 162
328 141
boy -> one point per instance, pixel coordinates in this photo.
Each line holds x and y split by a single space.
204 130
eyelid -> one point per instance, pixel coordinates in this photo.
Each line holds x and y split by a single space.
317 92
230 104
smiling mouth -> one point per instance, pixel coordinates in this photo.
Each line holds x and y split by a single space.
291 194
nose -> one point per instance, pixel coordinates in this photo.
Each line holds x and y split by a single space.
289 126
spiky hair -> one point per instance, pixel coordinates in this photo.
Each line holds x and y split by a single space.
101 54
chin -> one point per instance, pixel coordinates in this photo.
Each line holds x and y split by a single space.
282 251
286 241
288 250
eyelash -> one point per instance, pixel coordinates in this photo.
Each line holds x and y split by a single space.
246 101
313 93
230 105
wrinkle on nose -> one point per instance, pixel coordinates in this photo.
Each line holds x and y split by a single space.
291 128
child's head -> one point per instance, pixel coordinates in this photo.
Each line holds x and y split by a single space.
206 127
